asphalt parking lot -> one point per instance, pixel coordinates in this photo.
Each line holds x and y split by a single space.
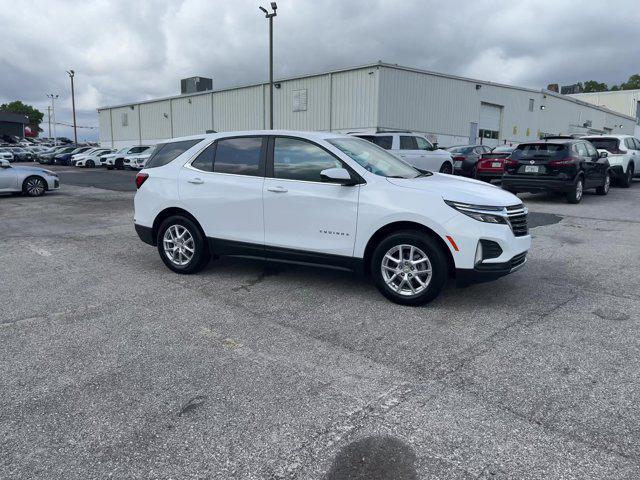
114 367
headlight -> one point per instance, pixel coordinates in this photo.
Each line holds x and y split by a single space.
482 213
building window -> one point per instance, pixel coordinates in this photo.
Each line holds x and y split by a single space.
494 134
531 104
125 119
300 100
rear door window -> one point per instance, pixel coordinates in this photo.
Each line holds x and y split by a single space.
636 142
591 151
167 152
408 143
581 148
239 156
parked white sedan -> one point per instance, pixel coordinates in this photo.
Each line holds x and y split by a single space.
93 159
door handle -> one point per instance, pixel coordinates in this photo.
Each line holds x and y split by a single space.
195 181
277 189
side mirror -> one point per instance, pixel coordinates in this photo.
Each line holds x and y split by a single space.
4 163
336 175
603 153
435 145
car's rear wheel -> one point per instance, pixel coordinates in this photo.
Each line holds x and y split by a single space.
34 186
575 195
90 163
604 188
182 246
119 163
409 268
627 179
446 168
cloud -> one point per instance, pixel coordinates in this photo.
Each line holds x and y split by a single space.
124 50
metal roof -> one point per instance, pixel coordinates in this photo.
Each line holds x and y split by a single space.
13 118
377 65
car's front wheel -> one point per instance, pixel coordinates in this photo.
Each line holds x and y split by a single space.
90 163
604 188
409 267
34 186
182 247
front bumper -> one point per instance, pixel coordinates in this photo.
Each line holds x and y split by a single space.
618 171
488 176
487 272
53 183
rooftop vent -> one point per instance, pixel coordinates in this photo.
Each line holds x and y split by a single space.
195 84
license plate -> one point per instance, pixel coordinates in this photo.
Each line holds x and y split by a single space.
496 164
457 163
531 169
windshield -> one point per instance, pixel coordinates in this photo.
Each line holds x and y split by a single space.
373 158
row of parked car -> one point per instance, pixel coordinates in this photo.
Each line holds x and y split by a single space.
562 164
88 156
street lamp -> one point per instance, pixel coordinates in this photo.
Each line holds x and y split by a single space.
53 97
71 73
270 16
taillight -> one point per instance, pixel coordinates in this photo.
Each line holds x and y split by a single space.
564 162
458 158
141 178
510 162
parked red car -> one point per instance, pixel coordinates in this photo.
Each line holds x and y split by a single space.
491 165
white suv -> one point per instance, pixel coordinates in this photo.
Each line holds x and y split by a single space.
326 199
624 155
414 149
117 160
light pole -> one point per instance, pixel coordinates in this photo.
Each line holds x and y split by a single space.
49 118
71 73
53 97
270 16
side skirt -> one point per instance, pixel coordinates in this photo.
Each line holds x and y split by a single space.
231 248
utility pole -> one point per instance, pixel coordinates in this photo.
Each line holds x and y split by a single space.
270 16
53 97
49 117
71 73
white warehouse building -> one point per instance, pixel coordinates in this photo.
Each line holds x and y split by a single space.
621 101
451 110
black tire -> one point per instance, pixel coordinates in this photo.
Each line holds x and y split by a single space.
435 255
627 179
34 186
575 195
447 168
90 163
201 255
604 188
119 163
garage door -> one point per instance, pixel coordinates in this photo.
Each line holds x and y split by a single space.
490 123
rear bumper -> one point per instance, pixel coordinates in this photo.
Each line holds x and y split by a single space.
145 234
522 183
488 272
488 176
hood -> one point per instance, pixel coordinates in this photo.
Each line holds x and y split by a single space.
33 170
460 189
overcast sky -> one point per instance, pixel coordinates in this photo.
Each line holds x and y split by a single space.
127 50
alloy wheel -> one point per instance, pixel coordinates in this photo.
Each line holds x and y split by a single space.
607 183
406 270
579 190
35 187
178 244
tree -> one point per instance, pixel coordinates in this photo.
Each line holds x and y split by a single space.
35 116
594 86
632 84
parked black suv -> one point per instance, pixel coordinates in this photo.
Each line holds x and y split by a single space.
559 165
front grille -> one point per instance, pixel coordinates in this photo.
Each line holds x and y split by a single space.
518 220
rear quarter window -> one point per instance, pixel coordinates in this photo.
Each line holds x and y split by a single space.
608 144
167 152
